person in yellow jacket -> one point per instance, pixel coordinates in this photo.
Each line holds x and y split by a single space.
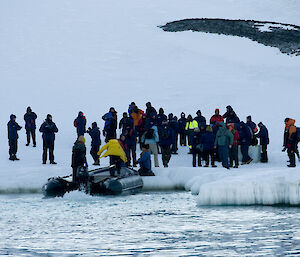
190 125
115 152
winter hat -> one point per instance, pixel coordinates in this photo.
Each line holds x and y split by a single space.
197 129
81 139
146 146
49 116
198 112
28 109
182 114
12 116
260 124
94 125
209 129
249 118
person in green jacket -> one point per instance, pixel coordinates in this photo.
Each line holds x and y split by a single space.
224 141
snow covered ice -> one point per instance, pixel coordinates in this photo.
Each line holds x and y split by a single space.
61 57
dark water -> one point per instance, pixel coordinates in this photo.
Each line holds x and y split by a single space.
149 224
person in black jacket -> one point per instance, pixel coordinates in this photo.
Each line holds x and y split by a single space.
125 122
181 129
230 115
78 156
200 119
110 125
150 111
48 130
165 142
197 147
80 124
13 127
94 132
30 126
263 135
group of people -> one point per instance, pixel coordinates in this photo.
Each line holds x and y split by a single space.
155 133
48 130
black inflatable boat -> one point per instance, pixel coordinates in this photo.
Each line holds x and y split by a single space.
102 181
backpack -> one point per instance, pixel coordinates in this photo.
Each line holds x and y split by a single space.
298 134
149 133
164 133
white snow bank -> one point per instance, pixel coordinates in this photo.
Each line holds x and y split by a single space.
244 186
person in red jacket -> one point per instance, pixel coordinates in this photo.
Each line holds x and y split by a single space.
233 152
216 118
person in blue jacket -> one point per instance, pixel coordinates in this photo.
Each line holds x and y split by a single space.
263 135
245 141
94 133
145 162
80 124
181 129
13 127
48 130
208 142
30 126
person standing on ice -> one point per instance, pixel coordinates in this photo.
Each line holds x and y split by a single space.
216 118
161 117
263 135
30 126
233 151
150 110
145 162
189 128
130 140
224 141
110 126
78 156
200 119
94 133
253 130
173 124
245 141
151 138
290 141
230 115
208 141
125 122
181 129
196 146
48 130
12 128
165 143
80 124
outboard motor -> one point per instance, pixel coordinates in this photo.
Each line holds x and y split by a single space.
82 175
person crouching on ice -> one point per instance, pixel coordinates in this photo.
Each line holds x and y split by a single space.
145 162
115 152
78 156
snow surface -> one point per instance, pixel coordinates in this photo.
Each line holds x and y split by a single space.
62 56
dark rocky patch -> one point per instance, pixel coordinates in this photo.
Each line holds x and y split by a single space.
286 37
